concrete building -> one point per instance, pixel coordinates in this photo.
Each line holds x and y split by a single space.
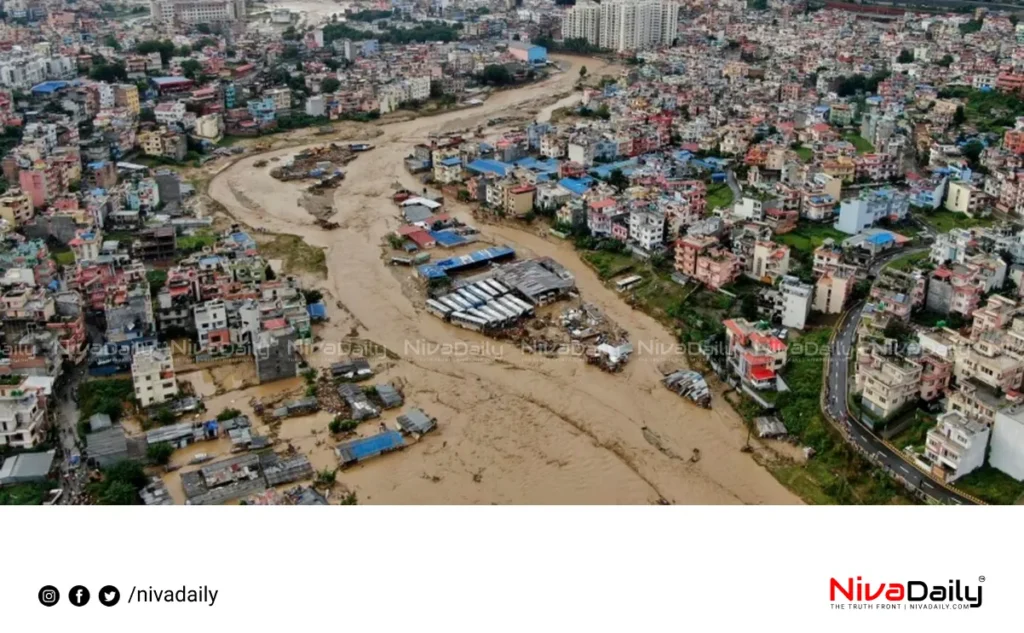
887 383
963 197
754 354
197 11
275 354
582 22
153 376
857 214
647 229
956 446
21 413
831 292
791 302
769 261
1008 442
628 25
16 208
211 323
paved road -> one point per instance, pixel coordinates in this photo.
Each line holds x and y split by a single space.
737 191
72 478
857 433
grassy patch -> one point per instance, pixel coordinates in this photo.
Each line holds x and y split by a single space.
104 396
660 297
945 221
28 494
836 474
609 264
863 145
909 261
64 258
808 237
806 154
992 486
188 244
298 256
914 434
719 195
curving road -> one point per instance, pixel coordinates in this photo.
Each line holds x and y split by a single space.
854 430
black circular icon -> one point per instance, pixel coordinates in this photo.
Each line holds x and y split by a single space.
79 596
109 596
49 596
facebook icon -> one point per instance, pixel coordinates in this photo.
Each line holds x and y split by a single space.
79 596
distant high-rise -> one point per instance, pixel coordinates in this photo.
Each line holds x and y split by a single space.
197 11
582 21
623 25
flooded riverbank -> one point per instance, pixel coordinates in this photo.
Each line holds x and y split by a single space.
514 427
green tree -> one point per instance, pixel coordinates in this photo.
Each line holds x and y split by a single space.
749 307
228 414
583 72
959 117
157 279
496 75
192 68
618 179
119 493
109 73
111 40
163 415
203 28
905 57
164 47
330 85
160 453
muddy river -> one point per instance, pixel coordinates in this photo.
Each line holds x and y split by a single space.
514 427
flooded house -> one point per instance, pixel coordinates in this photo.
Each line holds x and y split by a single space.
358 402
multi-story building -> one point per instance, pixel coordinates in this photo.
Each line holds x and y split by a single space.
22 413
791 302
16 208
897 293
717 267
211 324
887 383
582 22
832 290
964 197
153 376
638 24
857 214
197 11
754 354
768 262
987 361
647 229
956 446
1008 441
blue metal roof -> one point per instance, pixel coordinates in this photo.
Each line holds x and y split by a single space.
365 447
431 271
488 166
447 238
317 310
577 186
451 161
476 257
48 87
880 238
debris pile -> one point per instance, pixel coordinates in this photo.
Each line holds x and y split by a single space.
691 385
322 162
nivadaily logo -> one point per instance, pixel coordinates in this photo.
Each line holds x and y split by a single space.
912 594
